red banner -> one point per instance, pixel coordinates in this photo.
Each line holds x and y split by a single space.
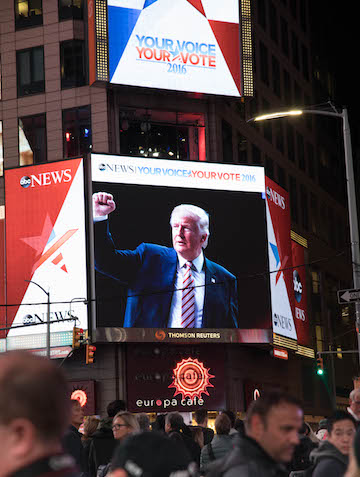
300 295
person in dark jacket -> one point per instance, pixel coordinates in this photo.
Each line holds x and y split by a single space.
151 454
301 458
332 457
221 444
177 430
201 418
272 425
103 443
72 442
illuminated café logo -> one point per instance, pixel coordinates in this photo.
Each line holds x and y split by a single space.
46 178
79 395
256 394
191 379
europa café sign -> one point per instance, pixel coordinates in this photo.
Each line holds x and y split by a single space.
185 384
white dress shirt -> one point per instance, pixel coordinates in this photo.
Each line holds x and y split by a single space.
198 273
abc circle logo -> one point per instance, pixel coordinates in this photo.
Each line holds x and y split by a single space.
297 286
25 182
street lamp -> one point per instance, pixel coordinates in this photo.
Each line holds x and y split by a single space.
351 194
47 317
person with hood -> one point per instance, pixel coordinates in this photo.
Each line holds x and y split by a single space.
331 458
103 441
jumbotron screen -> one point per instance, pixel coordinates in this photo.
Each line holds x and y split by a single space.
180 251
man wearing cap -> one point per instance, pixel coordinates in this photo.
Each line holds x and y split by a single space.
168 287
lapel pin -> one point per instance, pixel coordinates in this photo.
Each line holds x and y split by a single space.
213 280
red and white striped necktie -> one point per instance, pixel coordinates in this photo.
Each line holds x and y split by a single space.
188 299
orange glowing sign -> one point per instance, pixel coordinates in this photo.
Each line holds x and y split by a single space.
191 379
80 396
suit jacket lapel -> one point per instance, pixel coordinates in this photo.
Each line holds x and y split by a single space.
210 294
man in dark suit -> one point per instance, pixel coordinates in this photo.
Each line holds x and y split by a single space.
168 287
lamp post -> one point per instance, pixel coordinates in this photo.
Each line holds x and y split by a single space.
351 192
47 317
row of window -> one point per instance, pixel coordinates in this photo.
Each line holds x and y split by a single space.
29 13
31 71
288 41
305 209
280 80
76 126
268 15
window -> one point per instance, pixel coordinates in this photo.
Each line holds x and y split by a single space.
293 199
304 207
305 61
273 22
32 140
287 87
279 135
28 13
162 134
276 76
242 149
71 9
30 71
315 281
295 51
281 177
77 131
256 155
290 142
284 32
72 64
262 13
314 214
311 160
269 167
227 142
264 64
301 151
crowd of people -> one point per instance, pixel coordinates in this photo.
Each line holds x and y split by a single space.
39 435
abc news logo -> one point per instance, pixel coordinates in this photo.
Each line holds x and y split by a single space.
298 290
46 178
275 197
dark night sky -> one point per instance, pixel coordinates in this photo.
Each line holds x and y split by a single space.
337 28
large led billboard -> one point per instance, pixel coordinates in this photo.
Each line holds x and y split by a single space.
183 45
45 253
140 258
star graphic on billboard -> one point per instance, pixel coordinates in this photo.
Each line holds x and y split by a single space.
282 263
47 244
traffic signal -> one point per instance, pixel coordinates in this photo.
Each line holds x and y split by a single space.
319 366
77 337
90 353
